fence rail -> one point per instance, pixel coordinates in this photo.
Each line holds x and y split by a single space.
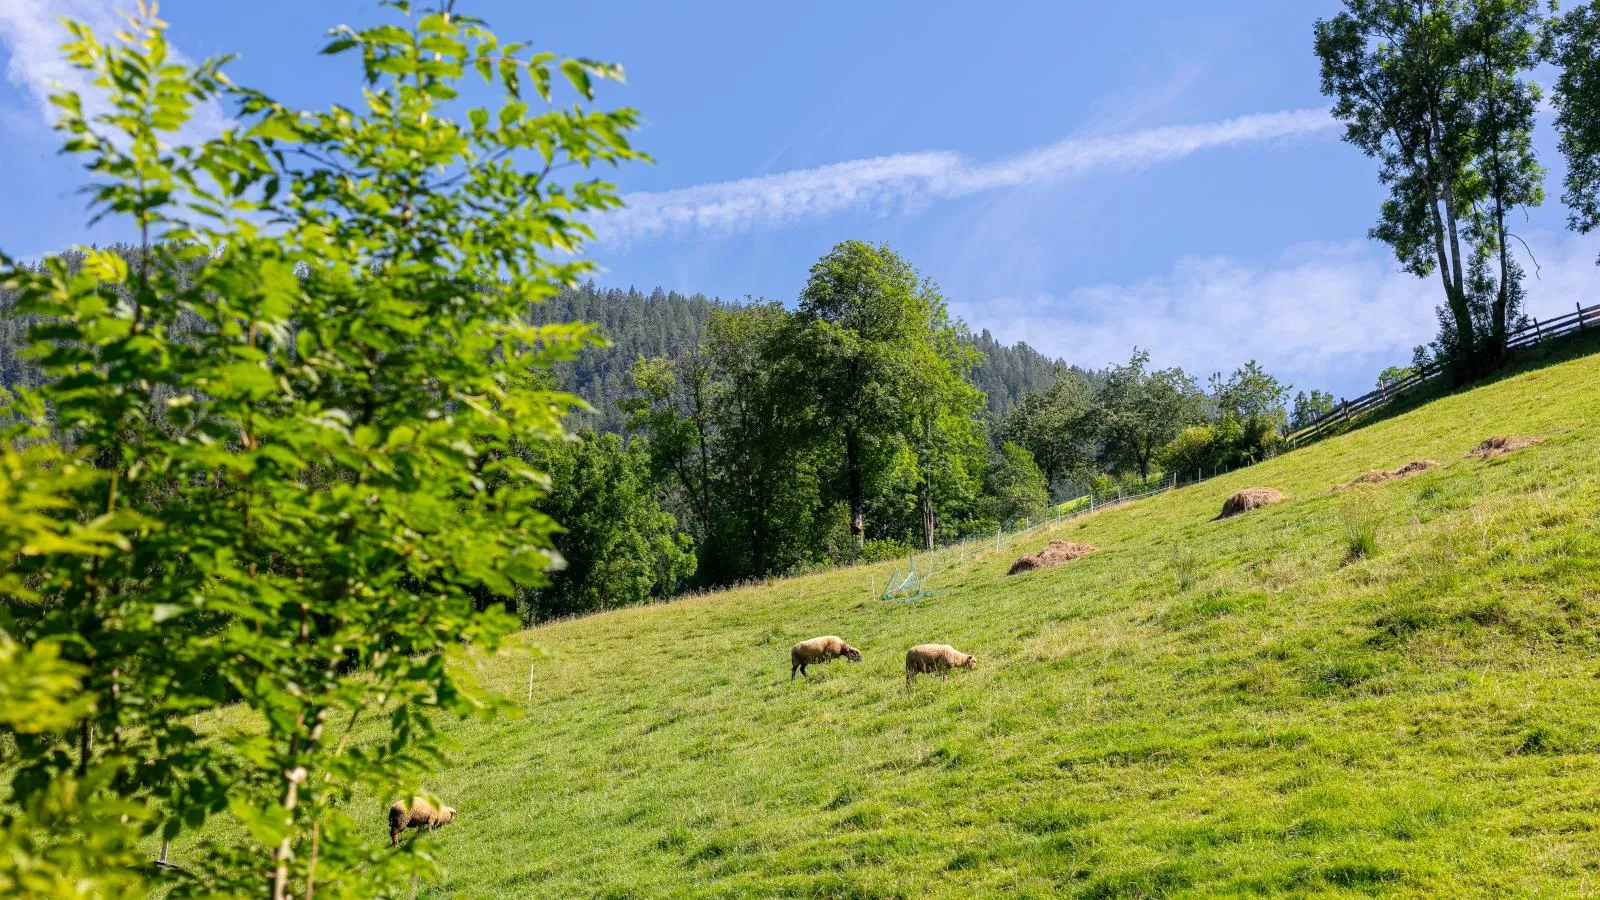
1535 333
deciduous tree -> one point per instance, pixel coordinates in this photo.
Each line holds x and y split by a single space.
1140 410
293 506
1573 47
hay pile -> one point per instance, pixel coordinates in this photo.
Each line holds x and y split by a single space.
1248 499
1405 471
1054 554
1500 446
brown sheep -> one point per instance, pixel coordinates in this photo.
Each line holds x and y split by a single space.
420 814
941 658
819 650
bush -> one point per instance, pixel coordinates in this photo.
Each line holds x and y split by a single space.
1191 452
1226 444
883 551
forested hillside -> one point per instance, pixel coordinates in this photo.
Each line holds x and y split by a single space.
668 324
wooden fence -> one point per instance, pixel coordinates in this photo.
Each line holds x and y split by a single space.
1348 410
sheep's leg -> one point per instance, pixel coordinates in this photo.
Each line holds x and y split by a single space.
944 674
793 668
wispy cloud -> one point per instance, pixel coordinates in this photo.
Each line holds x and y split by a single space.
911 179
33 34
1326 316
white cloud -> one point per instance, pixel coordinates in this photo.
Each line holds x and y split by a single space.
1322 315
885 182
33 34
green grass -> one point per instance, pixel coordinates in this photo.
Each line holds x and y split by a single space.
1201 708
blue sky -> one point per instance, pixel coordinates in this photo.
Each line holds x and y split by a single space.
1085 178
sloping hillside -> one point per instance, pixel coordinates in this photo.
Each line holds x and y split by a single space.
1201 707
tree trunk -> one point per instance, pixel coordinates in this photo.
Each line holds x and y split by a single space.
1502 298
1440 185
852 464
929 526
700 418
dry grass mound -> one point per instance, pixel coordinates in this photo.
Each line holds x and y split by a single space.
1405 471
1500 446
1054 554
1248 499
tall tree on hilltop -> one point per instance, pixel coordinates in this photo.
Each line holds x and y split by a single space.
866 322
1435 91
1502 37
1573 46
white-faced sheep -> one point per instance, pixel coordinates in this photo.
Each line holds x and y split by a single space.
419 814
819 650
941 658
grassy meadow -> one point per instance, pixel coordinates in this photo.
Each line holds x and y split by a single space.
1385 690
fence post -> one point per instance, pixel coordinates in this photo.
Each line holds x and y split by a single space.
1580 314
1537 331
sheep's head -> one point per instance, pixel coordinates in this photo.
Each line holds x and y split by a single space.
970 662
852 653
447 815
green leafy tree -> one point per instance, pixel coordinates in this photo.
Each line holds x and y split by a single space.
1393 375
1394 69
619 547
1502 38
672 405
769 457
1055 425
1015 486
946 436
1140 410
1435 90
1309 407
868 344
1572 45
1250 393
725 432
292 506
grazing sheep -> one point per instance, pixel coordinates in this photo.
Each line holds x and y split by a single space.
939 658
819 650
420 814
